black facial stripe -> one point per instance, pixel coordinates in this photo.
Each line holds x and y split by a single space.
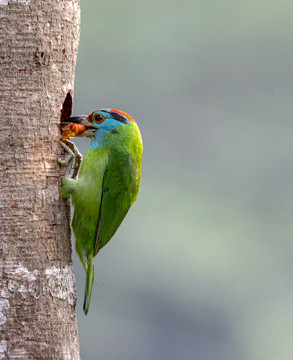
117 116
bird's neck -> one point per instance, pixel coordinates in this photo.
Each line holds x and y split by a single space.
98 141
122 138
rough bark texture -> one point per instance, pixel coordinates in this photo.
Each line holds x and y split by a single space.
39 41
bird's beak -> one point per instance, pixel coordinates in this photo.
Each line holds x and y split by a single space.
78 126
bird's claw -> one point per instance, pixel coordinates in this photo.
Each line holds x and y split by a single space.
73 156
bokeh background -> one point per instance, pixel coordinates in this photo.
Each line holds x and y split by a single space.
202 267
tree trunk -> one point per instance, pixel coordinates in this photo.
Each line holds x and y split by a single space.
39 41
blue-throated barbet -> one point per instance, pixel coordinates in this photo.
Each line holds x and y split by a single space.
107 184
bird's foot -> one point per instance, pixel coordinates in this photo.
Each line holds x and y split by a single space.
73 158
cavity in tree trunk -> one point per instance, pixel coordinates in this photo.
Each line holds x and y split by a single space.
39 41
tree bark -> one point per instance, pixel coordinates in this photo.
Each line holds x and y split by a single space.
38 50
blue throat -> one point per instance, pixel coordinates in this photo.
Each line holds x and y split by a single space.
98 140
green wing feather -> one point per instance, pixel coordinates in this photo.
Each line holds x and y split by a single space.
120 188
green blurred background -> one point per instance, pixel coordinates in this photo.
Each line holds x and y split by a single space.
202 266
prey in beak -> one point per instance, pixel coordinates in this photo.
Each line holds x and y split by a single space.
78 126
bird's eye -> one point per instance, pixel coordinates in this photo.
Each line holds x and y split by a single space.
98 118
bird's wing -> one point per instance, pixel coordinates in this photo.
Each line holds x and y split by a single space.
86 200
117 197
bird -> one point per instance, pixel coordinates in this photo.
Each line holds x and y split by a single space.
107 185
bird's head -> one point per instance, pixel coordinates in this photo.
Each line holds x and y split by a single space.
104 120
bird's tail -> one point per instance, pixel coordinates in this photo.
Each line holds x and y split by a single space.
88 284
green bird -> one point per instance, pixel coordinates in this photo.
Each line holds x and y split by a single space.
107 185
